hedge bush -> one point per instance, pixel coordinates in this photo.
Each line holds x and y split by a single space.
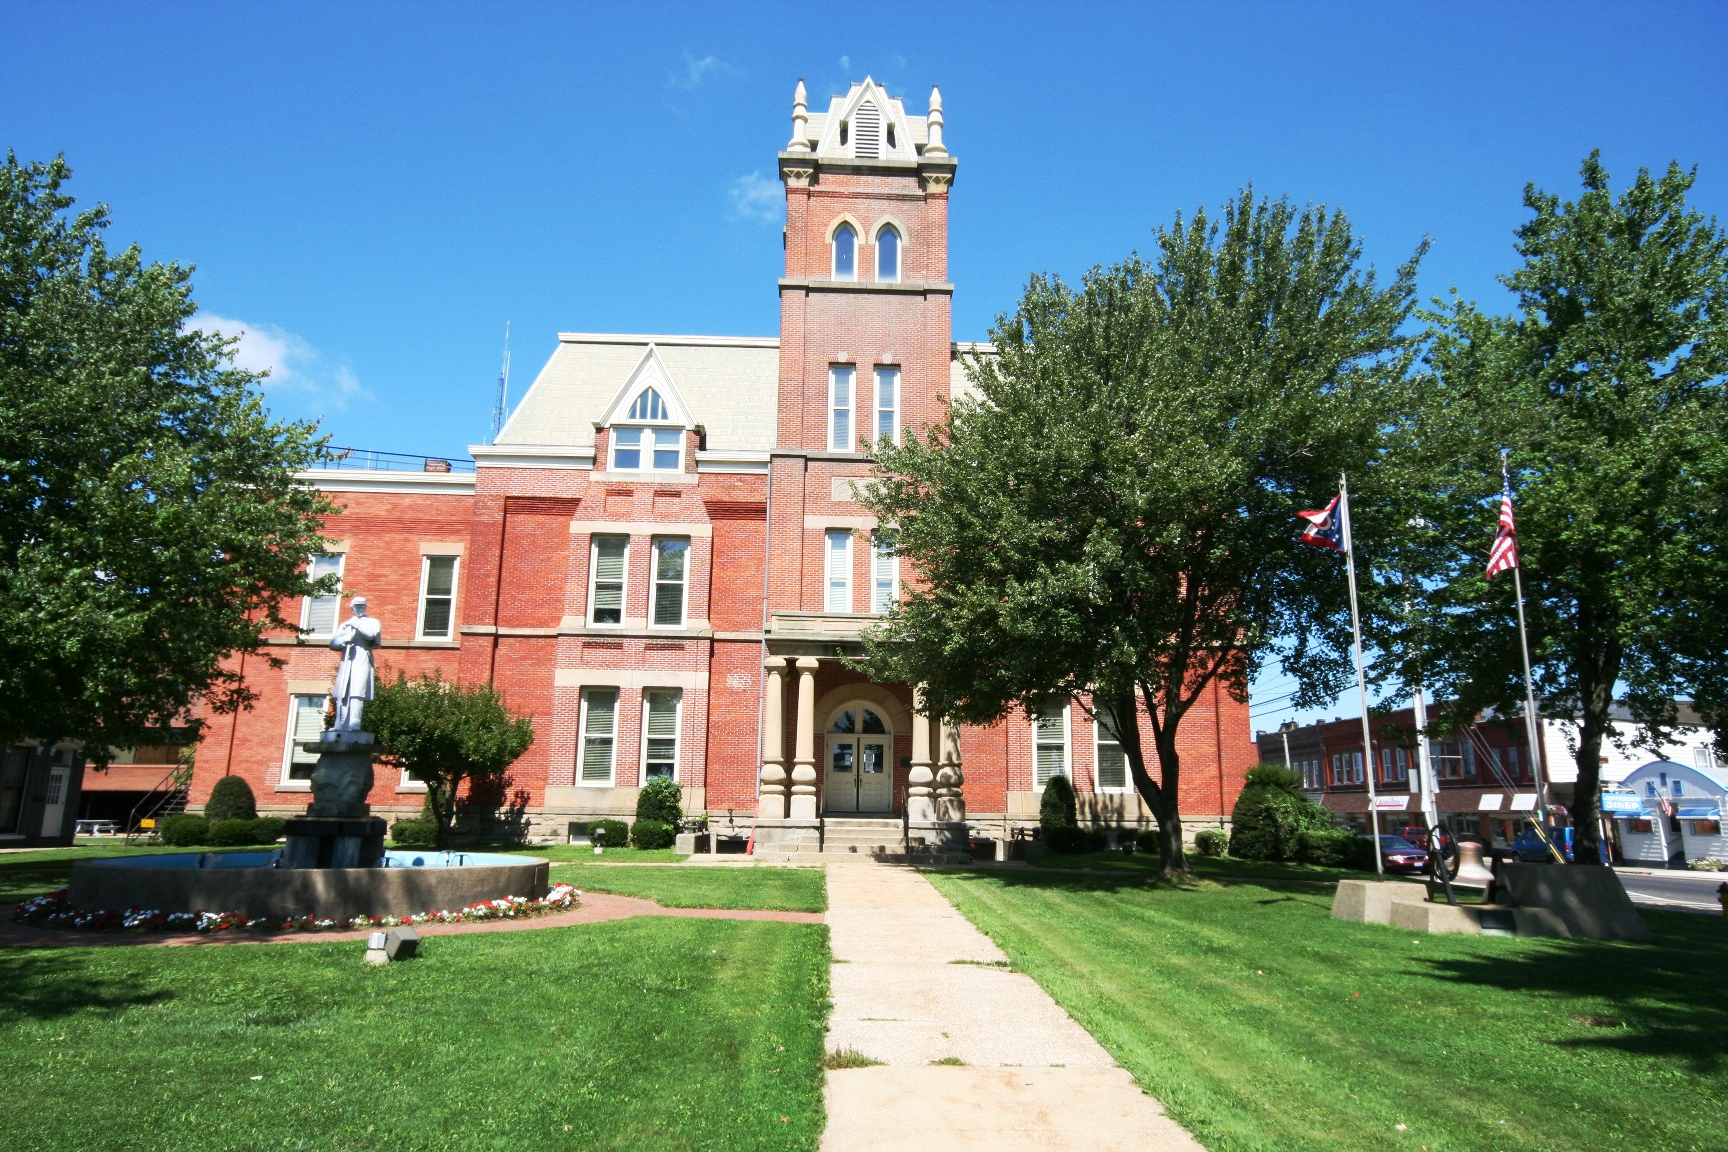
184 830
653 834
235 833
268 829
231 799
414 833
1056 809
1211 841
609 834
1334 848
1074 841
1149 840
661 799
1270 812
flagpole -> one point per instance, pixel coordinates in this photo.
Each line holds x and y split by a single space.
1361 675
1532 725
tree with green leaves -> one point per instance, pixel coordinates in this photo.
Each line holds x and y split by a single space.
447 733
1111 520
150 525
1606 386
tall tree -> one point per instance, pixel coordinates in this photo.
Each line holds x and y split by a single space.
445 734
1606 385
150 525
1112 519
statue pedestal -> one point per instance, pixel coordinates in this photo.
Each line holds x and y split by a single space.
338 830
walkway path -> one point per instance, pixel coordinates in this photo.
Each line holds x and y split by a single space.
914 983
595 907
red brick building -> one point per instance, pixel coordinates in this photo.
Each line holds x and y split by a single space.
661 557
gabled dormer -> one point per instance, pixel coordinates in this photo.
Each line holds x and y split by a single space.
648 425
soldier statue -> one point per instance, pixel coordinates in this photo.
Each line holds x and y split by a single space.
354 638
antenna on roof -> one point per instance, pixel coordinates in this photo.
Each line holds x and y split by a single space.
502 407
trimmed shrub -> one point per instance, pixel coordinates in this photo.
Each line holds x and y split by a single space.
1270 812
661 799
184 830
414 833
1074 841
231 799
1335 848
609 834
1149 840
1211 841
653 834
1056 809
268 829
230 833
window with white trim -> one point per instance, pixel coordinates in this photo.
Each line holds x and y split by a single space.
305 722
437 596
649 405
838 571
887 405
647 450
840 378
885 575
606 579
845 253
318 614
660 715
1049 744
888 254
671 573
1394 765
1112 763
599 738
1347 768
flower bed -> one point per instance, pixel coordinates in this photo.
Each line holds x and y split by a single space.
54 911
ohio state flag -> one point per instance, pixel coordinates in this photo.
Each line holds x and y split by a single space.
1504 553
1325 527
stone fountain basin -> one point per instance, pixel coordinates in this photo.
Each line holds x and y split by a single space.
253 883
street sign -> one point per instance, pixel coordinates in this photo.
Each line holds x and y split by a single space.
1622 802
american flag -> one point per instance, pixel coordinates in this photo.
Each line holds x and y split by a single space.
1325 526
1504 554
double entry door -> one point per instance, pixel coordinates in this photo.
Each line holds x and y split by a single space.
857 778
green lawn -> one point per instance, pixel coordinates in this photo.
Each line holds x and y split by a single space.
761 886
634 1035
1264 1024
1209 867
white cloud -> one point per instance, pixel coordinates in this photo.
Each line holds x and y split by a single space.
754 197
293 364
846 63
696 72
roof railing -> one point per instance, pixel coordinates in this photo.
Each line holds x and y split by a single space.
371 460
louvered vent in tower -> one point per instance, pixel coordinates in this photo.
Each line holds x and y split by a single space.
867 131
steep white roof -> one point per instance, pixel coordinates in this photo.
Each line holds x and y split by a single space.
730 385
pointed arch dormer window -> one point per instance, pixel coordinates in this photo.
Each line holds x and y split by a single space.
845 253
639 449
649 406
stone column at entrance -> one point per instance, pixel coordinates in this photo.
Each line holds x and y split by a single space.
803 806
920 797
771 803
950 801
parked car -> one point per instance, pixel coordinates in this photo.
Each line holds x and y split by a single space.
1399 855
1530 848
1418 836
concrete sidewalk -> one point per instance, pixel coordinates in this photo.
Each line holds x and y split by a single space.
913 983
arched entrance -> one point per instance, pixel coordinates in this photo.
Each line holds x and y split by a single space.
858 769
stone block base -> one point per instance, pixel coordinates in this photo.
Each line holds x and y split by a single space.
1370 901
317 842
1477 919
784 839
1589 900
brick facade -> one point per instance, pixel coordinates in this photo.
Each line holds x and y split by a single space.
752 478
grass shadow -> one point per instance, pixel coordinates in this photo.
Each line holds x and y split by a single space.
46 984
1665 998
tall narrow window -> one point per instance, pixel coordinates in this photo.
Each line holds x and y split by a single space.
839 571
305 722
437 596
318 617
845 253
607 596
840 377
670 571
599 734
888 255
888 405
1112 764
660 731
885 583
1050 742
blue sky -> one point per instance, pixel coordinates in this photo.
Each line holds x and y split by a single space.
373 190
